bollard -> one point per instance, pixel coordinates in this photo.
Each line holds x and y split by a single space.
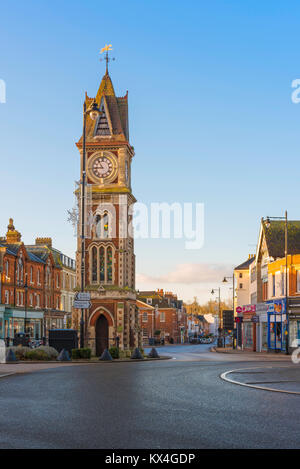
136 355
153 353
106 356
63 356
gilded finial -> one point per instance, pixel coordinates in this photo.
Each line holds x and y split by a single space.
107 48
12 236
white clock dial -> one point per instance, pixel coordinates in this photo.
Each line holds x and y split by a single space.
102 167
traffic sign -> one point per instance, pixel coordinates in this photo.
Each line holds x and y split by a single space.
83 296
78 304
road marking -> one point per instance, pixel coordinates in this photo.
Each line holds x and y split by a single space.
7 374
263 388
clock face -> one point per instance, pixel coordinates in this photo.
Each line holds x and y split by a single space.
102 167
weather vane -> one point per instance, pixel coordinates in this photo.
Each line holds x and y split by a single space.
107 48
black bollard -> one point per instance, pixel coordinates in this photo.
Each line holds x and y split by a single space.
153 353
63 356
106 356
136 355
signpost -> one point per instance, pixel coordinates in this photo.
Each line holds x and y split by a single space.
83 296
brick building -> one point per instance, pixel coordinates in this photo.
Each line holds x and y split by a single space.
30 286
162 317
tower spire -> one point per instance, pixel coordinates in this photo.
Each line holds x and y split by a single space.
106 49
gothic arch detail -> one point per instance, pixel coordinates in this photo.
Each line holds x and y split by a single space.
101 310
102 263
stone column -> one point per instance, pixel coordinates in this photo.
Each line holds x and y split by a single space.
122 158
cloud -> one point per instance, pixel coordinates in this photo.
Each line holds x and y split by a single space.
189 274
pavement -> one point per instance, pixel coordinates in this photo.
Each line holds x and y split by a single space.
179 403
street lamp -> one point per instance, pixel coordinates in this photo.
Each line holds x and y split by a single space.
225 280
25 312
219 327
267 222
93 112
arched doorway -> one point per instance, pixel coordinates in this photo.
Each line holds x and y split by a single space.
101 334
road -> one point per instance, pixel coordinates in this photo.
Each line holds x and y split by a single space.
177 403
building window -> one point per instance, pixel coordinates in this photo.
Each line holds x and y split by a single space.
149 301
101 270
162 317
31 300
48 276
38 301
94 265
6 297
38 277
31 275
109 265
298 280
102 226
241 285
241 275
6 269
145 317
102 264
57 280
20 272
273 285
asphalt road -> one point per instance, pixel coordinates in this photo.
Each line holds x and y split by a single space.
179 403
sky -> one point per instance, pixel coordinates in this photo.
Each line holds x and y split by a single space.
211 120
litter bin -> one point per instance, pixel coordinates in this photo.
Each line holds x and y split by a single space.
21 338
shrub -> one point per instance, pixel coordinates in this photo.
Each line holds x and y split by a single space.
20 351
36 354
85 353
75 353
125 353
50 351
78 353
114 351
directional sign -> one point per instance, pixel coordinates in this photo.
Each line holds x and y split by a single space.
78 304
83 296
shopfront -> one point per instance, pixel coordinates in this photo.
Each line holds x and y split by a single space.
277 325
294 322
248 313
262 327
12 321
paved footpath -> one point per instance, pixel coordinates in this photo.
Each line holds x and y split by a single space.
25 367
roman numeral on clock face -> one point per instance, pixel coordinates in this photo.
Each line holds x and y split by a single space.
102 167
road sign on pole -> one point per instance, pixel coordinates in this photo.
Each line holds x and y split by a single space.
83 296
78 304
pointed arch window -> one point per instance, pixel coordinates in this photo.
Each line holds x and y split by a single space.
102 264
94 265
102 226
109 264
20 272
101 270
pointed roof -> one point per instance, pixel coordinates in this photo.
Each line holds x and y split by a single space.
274 236
245 265
112 123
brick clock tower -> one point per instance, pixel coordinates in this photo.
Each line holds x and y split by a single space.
109 248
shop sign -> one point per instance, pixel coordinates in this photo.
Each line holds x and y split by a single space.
246 309
276 307
255 319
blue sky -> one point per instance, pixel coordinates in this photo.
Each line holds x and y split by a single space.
211 119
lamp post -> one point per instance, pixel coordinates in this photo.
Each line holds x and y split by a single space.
225 280
219 325
93 112
25 309
267 223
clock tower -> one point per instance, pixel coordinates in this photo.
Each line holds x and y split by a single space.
109 260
